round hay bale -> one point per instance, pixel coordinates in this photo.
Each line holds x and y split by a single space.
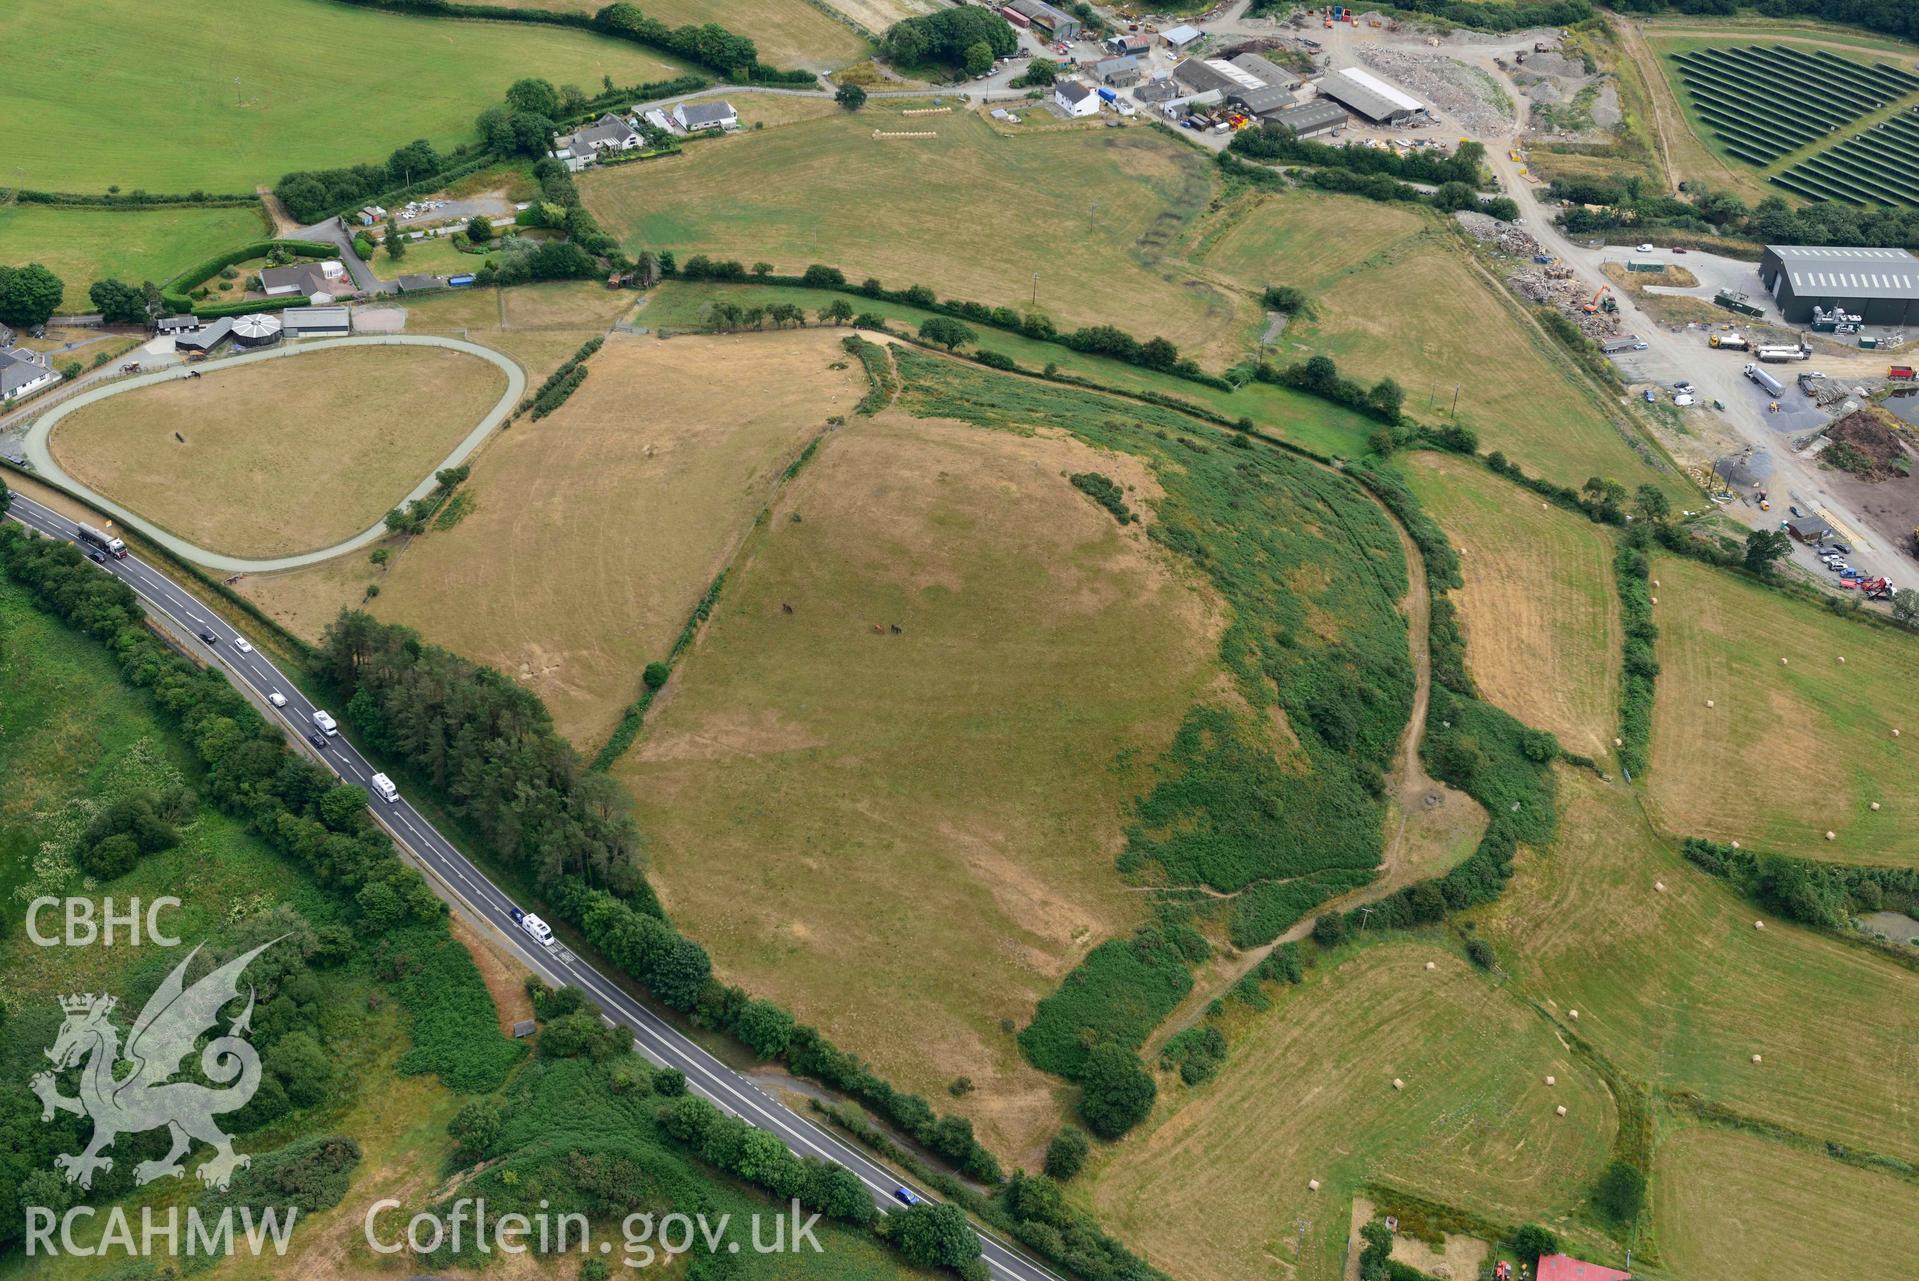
1573 1014
1312 1185
1783 662
1756 1058
1653 599
1660 886
1552 1080
1875 807
1655 582
1735 844
1832 836
1398 1084
1431 966
1895 733
1560 1110
1709 702
1842 660
1759 925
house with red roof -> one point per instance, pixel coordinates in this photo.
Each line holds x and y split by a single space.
1563 1267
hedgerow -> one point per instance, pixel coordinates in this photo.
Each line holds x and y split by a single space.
1823 895
1634 575
173 292
882 383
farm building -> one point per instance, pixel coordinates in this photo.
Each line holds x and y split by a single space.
316 322
1057 23
1128 46
205 340
717 114
1118 72
418 284
167 326
1807 529
257 330
1075 98
1181 36
1881 285
21 374
1310 118
1234 84
1563 1267
1367 95
1266 71
1158 89
608 133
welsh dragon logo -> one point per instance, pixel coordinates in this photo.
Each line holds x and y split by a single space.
145 1097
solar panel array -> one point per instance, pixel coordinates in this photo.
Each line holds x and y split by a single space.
1879 166
1764 101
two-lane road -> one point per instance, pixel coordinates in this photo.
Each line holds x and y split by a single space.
462 883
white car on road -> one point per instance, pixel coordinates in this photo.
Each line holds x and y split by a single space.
242 644
275 697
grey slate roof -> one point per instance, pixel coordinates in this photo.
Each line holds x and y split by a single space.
305 278
208 338
706 113
17 370
609 131
1073 90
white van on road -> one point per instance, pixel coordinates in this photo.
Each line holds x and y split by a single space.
325 723
383 788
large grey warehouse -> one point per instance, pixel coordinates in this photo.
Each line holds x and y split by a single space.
1879 285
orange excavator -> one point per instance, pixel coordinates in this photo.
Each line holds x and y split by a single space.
1598 299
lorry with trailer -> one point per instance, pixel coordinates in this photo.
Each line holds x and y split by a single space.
101 541
1729 342
1772 385
1900 373
384 789
325 723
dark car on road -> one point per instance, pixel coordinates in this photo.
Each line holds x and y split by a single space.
318 740
206 634
98 558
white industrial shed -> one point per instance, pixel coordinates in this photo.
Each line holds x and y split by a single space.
1367 95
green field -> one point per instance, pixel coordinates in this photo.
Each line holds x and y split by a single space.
1542 621
1307 1094
320 84
1679 990
1788 751
1734 1207
84 245
1088 223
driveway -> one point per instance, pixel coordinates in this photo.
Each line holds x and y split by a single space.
335 230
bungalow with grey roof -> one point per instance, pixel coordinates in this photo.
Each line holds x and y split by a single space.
714 114
22 373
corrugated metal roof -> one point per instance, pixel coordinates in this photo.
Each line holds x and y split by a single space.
1367 94
1836 270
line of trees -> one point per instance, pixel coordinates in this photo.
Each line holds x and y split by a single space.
1623 201
1275 142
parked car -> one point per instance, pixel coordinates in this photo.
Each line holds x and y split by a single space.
1794 510
276 698
1841 548
1643 249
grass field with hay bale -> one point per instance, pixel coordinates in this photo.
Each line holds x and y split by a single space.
1307 1093
1684 990
1542 622
103 61
1014 220
594 531
280 456
84 245
829 801
1789 750
1734 1207
787 33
